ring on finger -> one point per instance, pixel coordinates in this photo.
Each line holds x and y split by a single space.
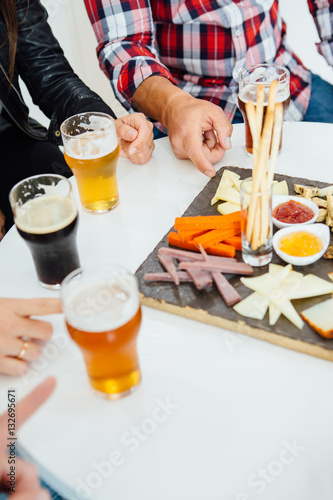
150 148
23 350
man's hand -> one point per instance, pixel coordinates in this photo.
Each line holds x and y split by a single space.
198 129
27 485
15 323
135 136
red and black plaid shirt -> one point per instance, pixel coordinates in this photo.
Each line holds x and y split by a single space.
201 45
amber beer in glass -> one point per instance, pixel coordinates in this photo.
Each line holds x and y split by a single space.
249 79
103 317
46 217
91 151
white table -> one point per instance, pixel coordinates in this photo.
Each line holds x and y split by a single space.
218 416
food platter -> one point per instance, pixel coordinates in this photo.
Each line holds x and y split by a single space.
208 307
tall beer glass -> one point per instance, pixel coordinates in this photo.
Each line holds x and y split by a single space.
46 217
91 151
249 79
103 317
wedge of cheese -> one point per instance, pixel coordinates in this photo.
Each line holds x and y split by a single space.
320 318
227 208
280 188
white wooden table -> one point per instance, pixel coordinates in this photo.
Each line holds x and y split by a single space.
218 416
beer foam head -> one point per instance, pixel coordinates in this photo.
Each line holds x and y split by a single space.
249 93
45 214
100 306
94 139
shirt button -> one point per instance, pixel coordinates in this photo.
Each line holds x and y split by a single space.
237 32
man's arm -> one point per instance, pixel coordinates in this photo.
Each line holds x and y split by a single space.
322 13
198 129
127 55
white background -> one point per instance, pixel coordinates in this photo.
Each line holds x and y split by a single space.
70 23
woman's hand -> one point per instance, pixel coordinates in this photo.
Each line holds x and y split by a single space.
19 334
136 138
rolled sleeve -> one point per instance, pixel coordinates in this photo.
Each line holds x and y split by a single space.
322 13
126 50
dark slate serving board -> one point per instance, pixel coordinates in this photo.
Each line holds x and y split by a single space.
207 305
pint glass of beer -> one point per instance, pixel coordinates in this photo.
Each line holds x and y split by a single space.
103 317
91 151
46 217
249 79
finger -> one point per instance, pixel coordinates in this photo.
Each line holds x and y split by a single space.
140 158
35 307
12 366
223 129
26 479
209 139
35 329
124 131
40 494
11 346
28 405
215 154
195 152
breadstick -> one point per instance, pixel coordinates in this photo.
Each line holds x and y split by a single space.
263 153
260 106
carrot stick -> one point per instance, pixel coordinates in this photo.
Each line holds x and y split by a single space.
175 240
191 234
235 241
222 250
215 236
206 221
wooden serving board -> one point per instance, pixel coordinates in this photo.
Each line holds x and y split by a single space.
207 305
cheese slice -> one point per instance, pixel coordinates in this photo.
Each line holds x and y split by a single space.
224 181
280 188
254 306
235 179
308 286
320 318
227 208
228 193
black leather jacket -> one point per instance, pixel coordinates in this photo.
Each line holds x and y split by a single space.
41 64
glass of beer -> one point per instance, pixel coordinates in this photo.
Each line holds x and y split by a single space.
91 151
103 317
46 217
249 79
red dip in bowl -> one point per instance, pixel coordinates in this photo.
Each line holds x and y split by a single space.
292 212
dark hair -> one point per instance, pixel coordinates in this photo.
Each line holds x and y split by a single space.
9 12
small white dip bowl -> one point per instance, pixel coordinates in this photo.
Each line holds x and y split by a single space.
279 199
320 230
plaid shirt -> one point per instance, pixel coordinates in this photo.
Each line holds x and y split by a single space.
201 45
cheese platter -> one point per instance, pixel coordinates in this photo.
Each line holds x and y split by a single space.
207 306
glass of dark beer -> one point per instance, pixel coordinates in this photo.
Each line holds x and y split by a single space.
46 217
249 79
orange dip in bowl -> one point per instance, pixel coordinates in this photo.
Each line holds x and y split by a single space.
300 244
292 212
